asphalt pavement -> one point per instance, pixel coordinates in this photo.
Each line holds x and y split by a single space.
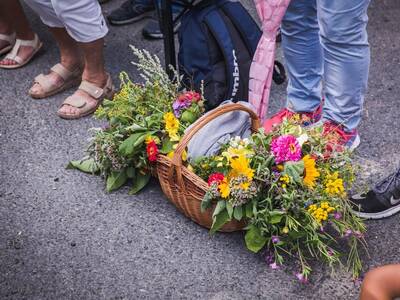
63 237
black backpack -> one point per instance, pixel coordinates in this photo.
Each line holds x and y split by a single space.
217 41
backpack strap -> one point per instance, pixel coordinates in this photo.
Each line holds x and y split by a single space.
244 23
220 32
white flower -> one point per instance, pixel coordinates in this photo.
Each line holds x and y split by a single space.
302 139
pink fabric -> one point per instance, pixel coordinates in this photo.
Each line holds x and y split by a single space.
271 13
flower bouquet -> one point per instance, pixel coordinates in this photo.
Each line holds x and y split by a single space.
143 120
290 187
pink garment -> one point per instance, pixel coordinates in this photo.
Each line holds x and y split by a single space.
271 13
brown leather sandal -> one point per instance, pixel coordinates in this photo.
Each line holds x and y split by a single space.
70 79
84 108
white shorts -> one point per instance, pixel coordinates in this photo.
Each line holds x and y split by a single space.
83 19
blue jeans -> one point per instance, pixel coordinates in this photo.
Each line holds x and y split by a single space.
326 41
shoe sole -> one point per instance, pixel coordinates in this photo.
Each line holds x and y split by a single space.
132 20
380 215
355 144
157 36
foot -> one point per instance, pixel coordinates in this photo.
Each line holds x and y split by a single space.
131 11
152 29
99 81
24 52
54 79
6 40
306 118
339 139
382 201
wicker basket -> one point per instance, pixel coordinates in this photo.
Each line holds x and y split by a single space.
184 188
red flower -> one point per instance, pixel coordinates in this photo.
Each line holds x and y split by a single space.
215 177
152 150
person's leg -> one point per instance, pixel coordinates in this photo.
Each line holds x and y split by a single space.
346 59
382 283
85 24
303 55
13 19
70 58
94 72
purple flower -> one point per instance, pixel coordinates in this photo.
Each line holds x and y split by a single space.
330 252
275 239
337 215
322 229
269 257
179 105
348 233
301 278
274 266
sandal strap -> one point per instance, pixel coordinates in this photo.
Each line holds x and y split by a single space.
62 71
8 37
13 55
93 90
44 82
75 101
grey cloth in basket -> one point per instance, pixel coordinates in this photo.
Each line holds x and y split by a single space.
207 141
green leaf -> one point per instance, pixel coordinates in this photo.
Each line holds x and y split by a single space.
249 209
130 172
139 182
86 165
127 147
219 220
167 146
294 170
275 219
255 241
115 180
221 205
275 216
229 209
206 202
238 213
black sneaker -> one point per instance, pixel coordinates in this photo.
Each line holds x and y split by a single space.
152 29
131 11
381 201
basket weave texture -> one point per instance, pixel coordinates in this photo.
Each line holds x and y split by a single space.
184 188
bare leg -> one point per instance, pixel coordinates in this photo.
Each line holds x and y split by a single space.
12 18
382 283
71 58
94 72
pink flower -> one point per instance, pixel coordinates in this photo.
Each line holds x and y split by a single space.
286 148
274 266
301 277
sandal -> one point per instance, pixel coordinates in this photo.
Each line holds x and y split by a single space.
84 108
70 79
7 38
13 55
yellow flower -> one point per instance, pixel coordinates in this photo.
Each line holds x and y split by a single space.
240 167
321 212
311 172
236 152
184 155
171 126
190 168
285 230
334 184
224 188
171 154
285 178
245 185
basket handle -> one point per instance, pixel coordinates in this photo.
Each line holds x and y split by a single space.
200 123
